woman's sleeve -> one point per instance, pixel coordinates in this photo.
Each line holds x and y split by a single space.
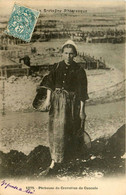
48 81
82 90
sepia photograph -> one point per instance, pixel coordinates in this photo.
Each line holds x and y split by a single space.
62 97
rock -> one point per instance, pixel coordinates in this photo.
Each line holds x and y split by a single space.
116 144
18 164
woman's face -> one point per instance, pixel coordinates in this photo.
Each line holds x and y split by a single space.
68 55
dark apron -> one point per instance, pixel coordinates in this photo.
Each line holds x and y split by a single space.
64 121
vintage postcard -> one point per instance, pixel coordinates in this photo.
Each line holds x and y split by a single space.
62 97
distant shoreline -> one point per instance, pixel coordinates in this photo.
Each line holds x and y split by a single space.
103 88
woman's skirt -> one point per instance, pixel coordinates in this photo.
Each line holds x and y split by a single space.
64 123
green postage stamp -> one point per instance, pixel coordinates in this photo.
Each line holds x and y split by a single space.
22 22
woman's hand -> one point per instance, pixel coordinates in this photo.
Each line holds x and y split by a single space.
46 105
82 110
82 115
47 102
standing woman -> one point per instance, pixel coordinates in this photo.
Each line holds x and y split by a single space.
66 88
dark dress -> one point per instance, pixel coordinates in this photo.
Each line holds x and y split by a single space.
69 86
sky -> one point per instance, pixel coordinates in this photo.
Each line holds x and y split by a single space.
7 5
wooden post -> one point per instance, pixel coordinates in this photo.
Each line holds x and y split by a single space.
27 72
97 64
5 72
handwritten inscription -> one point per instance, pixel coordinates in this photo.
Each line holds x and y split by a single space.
8 185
